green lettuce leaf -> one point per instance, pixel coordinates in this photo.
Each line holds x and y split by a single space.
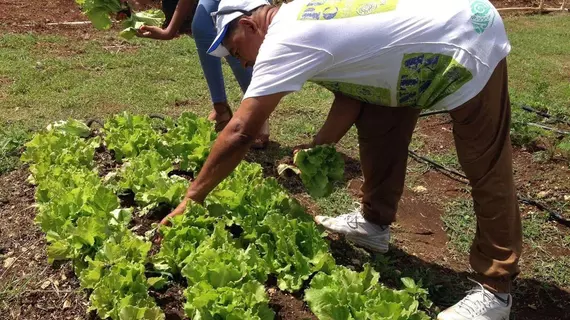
147 176
152 17
127 135
319 168
245 302
344 294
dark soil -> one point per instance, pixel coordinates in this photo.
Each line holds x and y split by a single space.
30 288
171 301
288 307
105 161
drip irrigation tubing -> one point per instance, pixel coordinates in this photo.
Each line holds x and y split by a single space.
548 128
90 122
525 108
460 177
543 114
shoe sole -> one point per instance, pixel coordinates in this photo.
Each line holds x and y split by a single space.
368 244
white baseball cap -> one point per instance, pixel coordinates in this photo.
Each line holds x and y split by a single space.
228 11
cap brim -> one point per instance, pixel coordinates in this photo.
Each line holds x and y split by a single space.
217 49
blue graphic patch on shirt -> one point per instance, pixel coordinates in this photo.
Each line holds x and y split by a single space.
427 78
482 15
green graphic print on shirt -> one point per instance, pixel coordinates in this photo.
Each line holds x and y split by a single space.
339 9
368 94
482 16
427 78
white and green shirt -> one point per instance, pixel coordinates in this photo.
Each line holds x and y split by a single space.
418 53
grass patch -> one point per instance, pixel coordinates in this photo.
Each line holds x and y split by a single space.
538 231
339 202
538 64
459 222
539 75
447 158
12 138
555 271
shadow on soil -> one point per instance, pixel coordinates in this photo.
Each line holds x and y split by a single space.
533 299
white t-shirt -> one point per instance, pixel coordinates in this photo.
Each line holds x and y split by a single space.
418 53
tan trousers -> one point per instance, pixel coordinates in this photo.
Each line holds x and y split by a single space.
481 132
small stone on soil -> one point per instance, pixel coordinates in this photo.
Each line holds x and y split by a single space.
8 262
419 189
45 284
542 194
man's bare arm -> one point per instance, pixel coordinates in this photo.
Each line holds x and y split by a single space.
230 147
182 11
342 115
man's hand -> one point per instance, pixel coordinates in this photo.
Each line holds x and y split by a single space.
177 211
157 33
301 147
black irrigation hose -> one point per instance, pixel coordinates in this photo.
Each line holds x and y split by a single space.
455 175
431 113
544 114
91 121
156 116
548 128
553 215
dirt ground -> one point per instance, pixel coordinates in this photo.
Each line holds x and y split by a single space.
39 290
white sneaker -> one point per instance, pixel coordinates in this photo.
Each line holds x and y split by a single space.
479 304
358 230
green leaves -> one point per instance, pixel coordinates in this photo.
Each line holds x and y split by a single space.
53 151
248 228
99 11
294 250
122 293
345 294
83 222
152 17
319 168
244 302
147 176
127 135
188 141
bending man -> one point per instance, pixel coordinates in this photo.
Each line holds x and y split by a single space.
385 61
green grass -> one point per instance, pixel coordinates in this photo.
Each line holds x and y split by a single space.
539 231
12 138
459 221
460 224
539 68
339 202
539 73
555 271
447 158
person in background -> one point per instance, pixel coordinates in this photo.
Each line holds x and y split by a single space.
193 17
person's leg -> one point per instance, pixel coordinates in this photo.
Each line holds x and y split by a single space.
204 33
481 129
384 134
243 75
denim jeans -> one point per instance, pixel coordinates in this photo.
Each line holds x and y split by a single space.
204 32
